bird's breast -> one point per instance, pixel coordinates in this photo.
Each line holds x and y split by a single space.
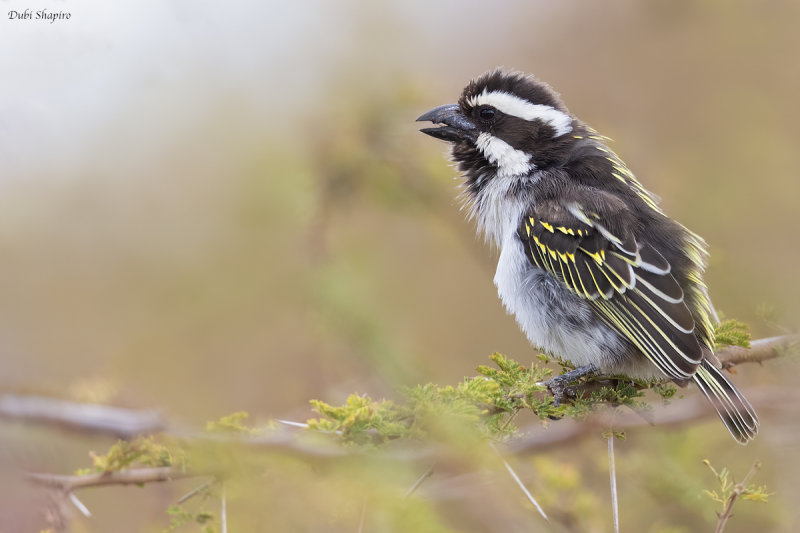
554 319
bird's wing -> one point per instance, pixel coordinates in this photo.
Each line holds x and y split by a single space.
590 244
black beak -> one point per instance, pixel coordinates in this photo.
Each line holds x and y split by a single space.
456 127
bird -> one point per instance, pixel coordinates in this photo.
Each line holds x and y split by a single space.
590 266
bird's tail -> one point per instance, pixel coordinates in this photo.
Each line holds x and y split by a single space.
733 409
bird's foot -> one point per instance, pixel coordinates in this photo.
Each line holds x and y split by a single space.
558 385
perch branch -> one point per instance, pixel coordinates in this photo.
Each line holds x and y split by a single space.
690 409
129 423
760 350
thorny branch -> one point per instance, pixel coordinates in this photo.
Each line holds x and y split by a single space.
62 489
128 423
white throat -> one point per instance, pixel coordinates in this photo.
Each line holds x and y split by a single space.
500 204
509 161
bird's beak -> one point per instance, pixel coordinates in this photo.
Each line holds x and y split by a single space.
456 126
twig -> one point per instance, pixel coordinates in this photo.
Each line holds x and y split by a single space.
135 476
62 488
738 489
760 350
612 474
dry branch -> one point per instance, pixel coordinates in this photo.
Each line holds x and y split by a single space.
690 409
84 417
135 476
760 350
61 489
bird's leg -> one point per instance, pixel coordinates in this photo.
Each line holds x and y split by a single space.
558 384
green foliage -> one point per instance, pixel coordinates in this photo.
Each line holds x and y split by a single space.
487 403
462 417
729 489
732 333
360 420
616 433
233 423
438 412
483 406
179 516
517 388
625 392
142 451
665 390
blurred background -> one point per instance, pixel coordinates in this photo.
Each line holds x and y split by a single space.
210 207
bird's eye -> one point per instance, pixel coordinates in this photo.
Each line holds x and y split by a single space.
487 113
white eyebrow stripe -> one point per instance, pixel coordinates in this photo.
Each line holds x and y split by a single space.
517 107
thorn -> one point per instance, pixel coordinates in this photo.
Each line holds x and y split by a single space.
223 517
521 485
291 423
194 492
428 473
79 504
363 517
612 474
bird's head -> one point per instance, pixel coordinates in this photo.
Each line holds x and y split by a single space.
505 121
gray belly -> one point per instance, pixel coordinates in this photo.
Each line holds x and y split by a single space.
559 322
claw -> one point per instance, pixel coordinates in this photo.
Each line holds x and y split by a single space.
558 385
559 389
